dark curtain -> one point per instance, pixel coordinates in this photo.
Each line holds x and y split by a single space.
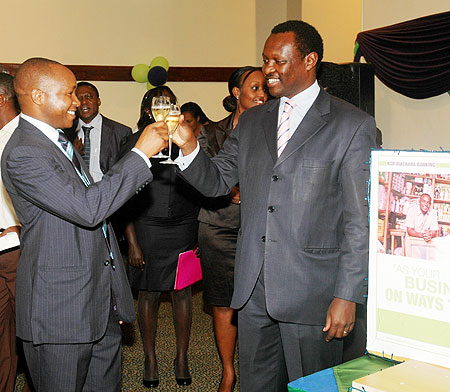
413 57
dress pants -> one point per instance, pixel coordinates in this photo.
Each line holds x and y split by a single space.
8 354
85 367
273 353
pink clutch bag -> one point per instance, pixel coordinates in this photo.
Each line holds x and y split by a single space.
189 270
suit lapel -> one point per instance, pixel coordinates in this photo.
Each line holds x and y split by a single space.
104 145
312 123
270 123
35 132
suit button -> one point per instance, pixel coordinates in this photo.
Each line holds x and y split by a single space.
263 238
106 263
271 209
274 178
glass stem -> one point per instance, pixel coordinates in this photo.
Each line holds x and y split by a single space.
170 147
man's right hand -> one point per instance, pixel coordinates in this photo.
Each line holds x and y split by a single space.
153 139
184 137
78 145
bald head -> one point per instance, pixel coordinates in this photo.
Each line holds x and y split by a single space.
46 91
32 74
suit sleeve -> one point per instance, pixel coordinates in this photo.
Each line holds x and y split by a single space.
217 176
46 179
353 177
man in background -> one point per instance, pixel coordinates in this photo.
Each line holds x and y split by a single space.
98 138
302 253
9 258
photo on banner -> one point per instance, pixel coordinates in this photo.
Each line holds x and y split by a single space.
409 257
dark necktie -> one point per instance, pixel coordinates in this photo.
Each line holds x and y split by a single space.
87 144
68 148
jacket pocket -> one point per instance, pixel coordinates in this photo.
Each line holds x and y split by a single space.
322 250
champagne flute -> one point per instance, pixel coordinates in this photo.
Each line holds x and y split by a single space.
160 111
172 121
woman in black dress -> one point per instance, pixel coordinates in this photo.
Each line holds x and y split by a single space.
161 223
220 220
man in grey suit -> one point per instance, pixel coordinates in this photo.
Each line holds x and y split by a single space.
302 249
71 287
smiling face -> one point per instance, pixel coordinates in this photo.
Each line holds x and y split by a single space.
288 72
252 92
57 100
89 103
425 203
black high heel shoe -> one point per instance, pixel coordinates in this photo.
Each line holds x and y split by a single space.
183 381
150 383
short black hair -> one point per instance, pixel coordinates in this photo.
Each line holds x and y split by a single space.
81 84
7 89
307 37
196 111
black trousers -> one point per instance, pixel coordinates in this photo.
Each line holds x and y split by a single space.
273 353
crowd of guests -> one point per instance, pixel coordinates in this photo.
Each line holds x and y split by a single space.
225 197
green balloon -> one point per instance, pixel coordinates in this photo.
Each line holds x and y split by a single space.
161 62
139 73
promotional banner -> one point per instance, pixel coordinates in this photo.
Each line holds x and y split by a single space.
409 263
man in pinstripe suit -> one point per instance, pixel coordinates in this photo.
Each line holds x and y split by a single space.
71 286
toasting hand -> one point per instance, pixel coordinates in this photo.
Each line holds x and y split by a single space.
184 137
153 139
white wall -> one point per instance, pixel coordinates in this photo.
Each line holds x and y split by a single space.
112 32
227 33
408 123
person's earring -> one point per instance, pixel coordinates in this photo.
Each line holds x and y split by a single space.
237 97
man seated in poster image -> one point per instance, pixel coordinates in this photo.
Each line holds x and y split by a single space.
422 220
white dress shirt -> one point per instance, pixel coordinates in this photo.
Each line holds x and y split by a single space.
95 136
8 216
303 102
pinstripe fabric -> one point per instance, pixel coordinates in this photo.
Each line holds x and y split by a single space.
66 288
64 293
87 367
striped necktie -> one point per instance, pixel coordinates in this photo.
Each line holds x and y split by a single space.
68 149
284 132
87 144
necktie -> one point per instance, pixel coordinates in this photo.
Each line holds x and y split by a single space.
68 148
87 144
284 132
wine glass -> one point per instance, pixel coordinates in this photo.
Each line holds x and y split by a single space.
172 121
160 111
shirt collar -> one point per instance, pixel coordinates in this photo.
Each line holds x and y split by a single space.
46 129
95 122
11 125
304 99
